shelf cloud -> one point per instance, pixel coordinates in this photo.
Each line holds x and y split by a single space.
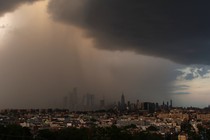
174 30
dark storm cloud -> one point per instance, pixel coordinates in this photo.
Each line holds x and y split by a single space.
11 5
175 30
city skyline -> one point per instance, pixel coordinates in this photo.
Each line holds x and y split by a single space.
151 51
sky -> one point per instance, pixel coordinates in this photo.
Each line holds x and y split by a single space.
151 51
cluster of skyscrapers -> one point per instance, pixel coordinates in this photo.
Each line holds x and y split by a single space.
143 106
74 102
86 102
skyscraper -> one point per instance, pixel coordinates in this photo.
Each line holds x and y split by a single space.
138 105
102 104
88 101
123 105
73 100
171 104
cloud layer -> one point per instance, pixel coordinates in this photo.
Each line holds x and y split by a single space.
11 5
175 30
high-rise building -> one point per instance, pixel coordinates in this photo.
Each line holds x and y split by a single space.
102 104
129 105
73 100
138 105
171 105
150 107
123 105
88 101
156 106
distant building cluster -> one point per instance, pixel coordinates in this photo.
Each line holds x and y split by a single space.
87 102
143 106
75 102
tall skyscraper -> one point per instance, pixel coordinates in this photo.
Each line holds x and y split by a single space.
171 104
88 101
138 105
129 105
73 100
150 107
123 105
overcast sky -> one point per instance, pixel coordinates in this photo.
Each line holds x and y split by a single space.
151 51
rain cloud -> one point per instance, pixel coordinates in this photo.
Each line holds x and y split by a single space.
173 30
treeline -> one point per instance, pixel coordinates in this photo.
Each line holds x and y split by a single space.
108 133
15 132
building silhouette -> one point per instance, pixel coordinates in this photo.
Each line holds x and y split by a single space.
122 103
102 104
73 100
171 105
88 101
